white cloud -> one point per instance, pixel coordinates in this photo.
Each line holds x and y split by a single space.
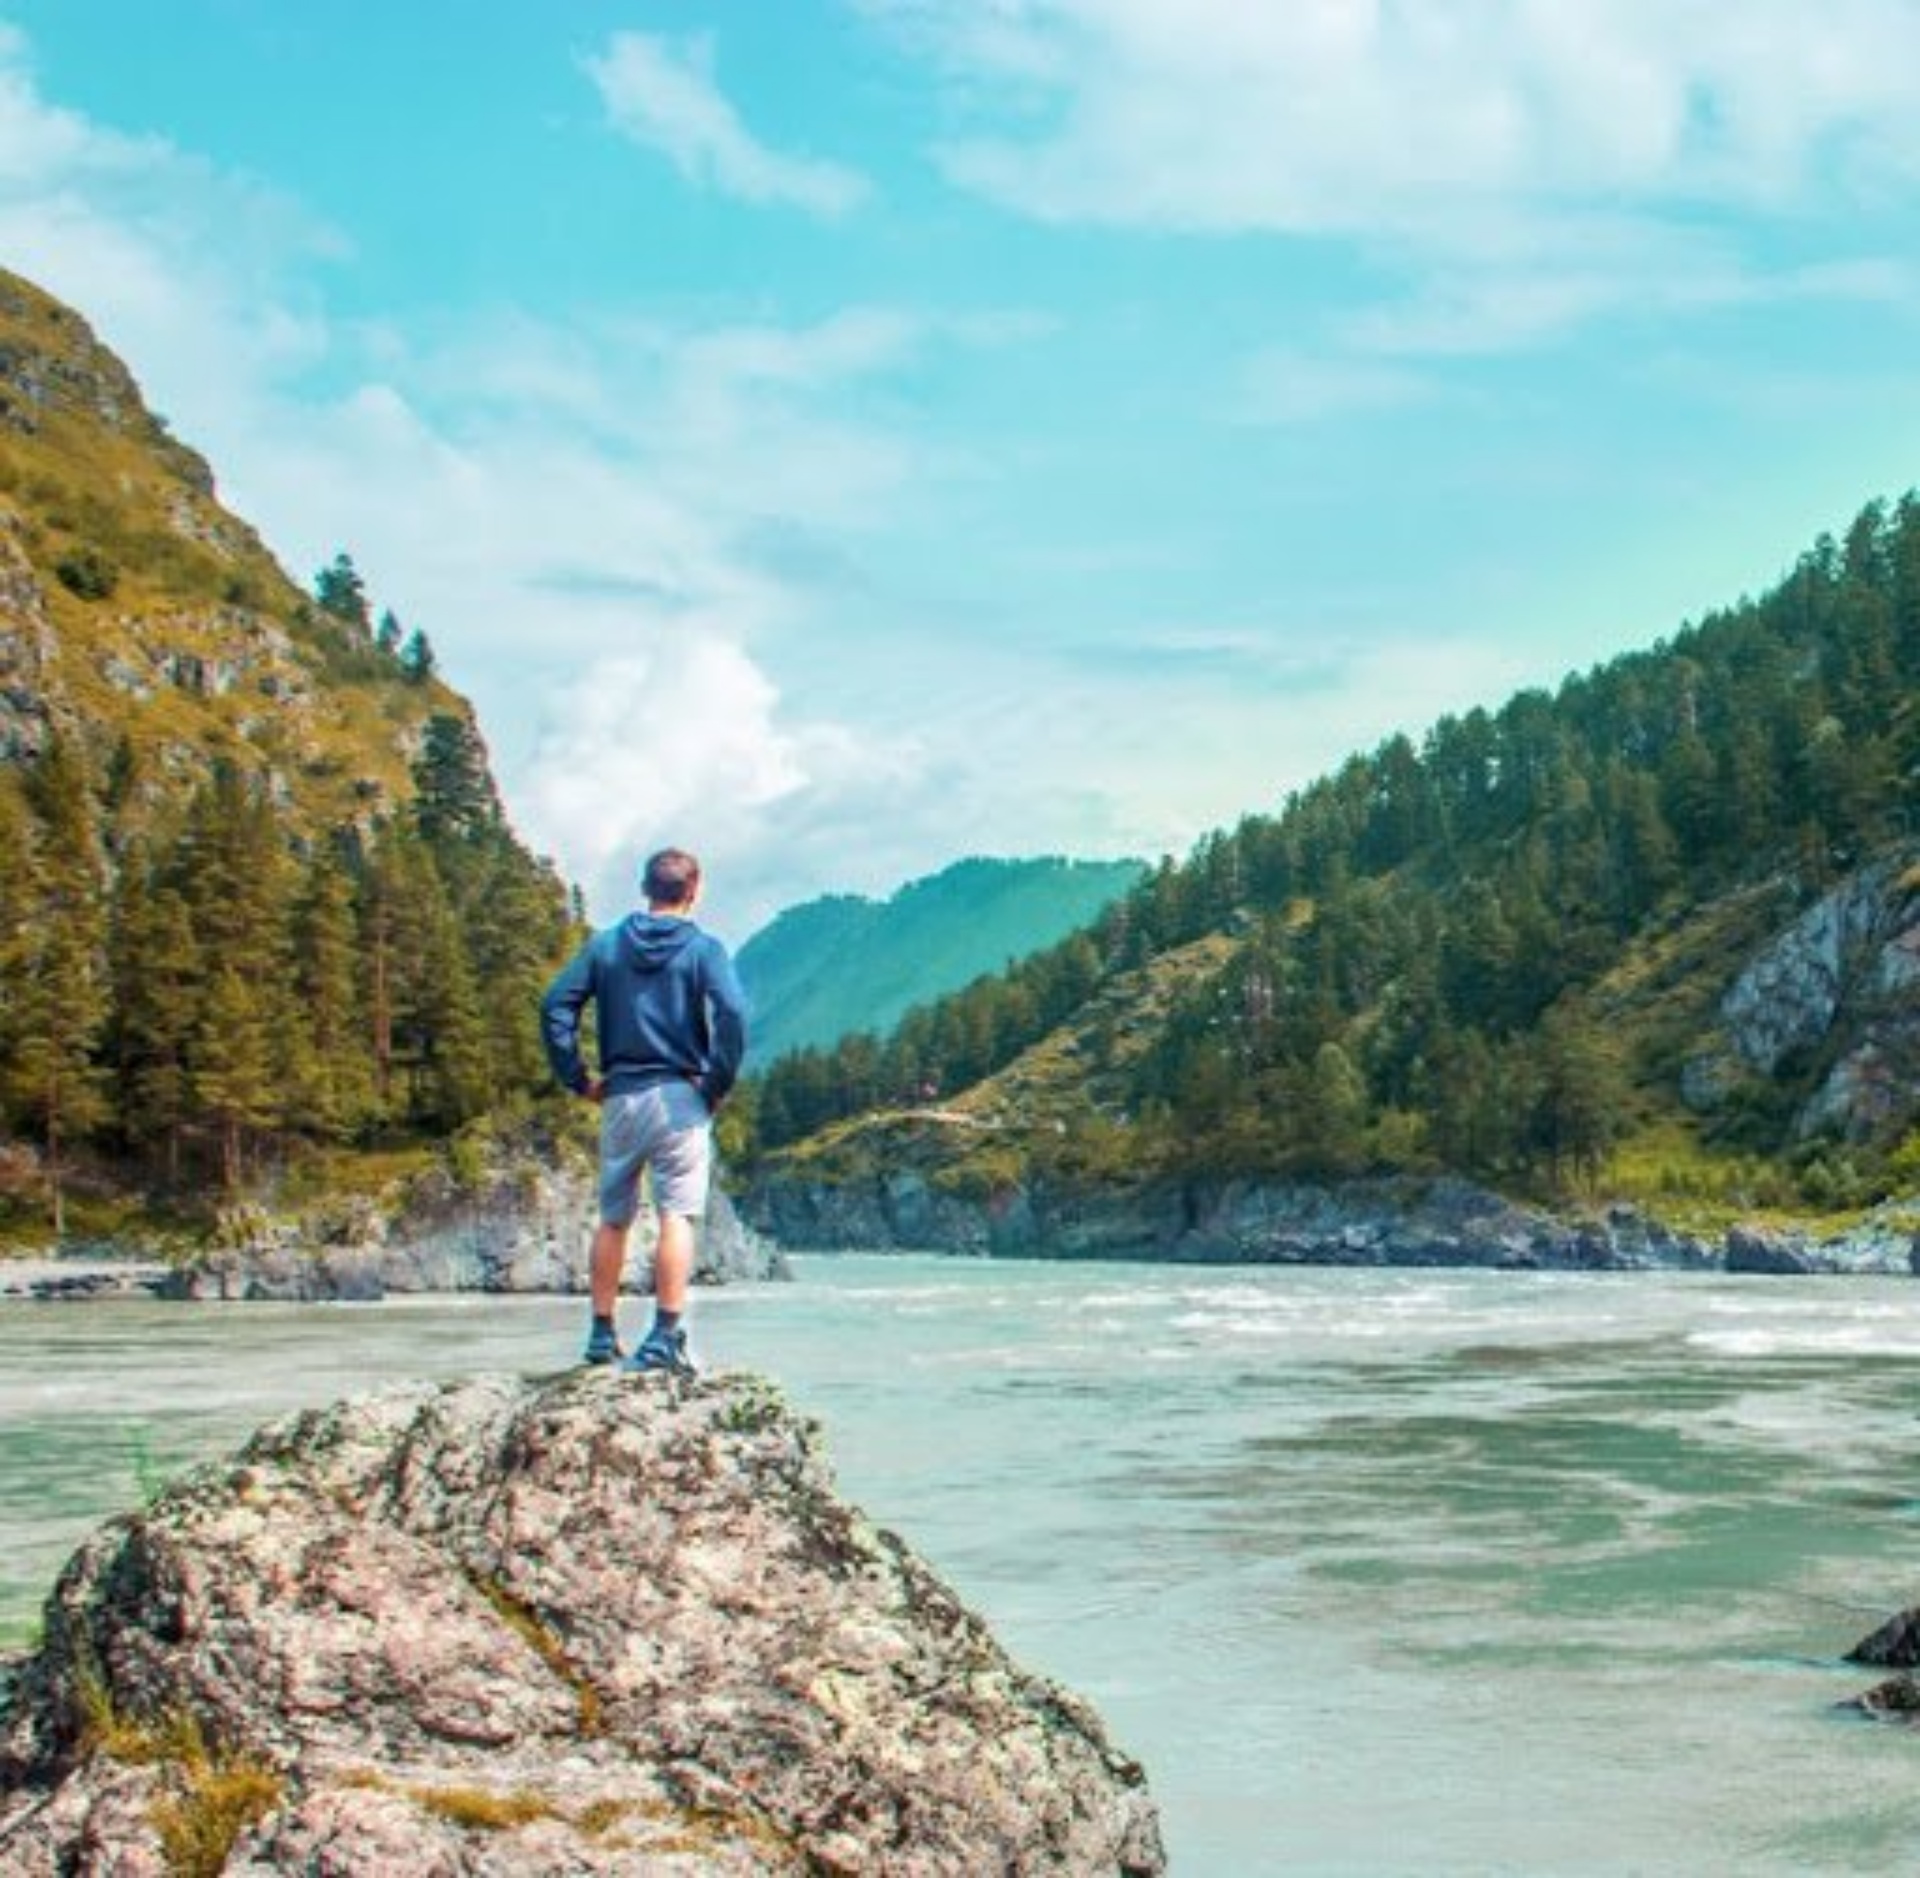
682 740
590 520
1530 164
1353 116
662 93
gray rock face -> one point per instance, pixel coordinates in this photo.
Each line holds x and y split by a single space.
1896 1646
525 1231
591 1625
1402 1222
1244 1222
1838 983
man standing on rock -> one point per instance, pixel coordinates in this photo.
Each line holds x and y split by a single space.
671 1021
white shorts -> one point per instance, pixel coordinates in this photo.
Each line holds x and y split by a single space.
667 1128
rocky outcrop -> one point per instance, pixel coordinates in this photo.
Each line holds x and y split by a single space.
524 1228
1385 1222
595 1625
79 1279
1896 1646
1835 990
1401 1222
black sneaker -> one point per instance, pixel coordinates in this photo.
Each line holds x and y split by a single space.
602 1345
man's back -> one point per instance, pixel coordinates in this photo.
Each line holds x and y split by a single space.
667 1007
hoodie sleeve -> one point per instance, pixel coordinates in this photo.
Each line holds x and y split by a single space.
560 1019
727 1009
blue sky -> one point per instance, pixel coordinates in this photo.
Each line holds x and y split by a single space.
841 435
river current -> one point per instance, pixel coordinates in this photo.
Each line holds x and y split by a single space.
1377 1572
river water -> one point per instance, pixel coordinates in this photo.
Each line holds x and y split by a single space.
1377 1572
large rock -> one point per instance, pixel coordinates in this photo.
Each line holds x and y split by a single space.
1896 1646
1836 987
590 1625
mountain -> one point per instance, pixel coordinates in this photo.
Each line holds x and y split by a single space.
1654 935
260 894
845 963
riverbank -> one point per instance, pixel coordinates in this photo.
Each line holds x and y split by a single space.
1389 1222
524 1231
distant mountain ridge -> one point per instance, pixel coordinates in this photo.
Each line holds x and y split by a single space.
845 963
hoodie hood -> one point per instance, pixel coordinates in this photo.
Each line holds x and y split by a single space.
652 942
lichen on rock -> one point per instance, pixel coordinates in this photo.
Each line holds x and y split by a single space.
592 1624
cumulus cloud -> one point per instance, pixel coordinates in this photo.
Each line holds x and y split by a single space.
662 93
597 521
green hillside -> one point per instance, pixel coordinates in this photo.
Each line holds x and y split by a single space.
260 897
1656 933
846 963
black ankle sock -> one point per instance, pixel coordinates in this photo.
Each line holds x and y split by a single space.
668 1321
602 1323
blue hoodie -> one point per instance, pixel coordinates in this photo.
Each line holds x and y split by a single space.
666 1004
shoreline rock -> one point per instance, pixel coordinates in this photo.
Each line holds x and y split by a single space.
525 1231
585 1625
1392 1222
527 1234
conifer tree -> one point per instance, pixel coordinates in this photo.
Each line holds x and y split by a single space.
157 980
60 1005
334 1082
454 799
417 660
339 590
236 1072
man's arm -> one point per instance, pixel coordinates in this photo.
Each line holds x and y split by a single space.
727 1012
560 1012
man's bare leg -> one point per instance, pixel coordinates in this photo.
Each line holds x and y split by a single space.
673 1262
609 1260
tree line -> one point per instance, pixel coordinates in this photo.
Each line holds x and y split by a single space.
1417 929
205 989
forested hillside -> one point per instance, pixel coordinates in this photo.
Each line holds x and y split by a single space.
259 894
1502 949
847 963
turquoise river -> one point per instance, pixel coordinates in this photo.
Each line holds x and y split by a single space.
1378 1572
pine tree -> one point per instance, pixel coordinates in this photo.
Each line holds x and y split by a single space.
52 1077
454 799
339 590
233 869
1580 1094
236 1080
334 1079
157 980
417 661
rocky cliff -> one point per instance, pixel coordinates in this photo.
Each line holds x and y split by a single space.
522 1229
1832 996
1373 1222
590 1625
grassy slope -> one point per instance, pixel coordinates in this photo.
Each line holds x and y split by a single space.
203 647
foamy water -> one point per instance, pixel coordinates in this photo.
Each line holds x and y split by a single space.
1378 1572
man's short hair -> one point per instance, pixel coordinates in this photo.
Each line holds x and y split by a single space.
670 878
